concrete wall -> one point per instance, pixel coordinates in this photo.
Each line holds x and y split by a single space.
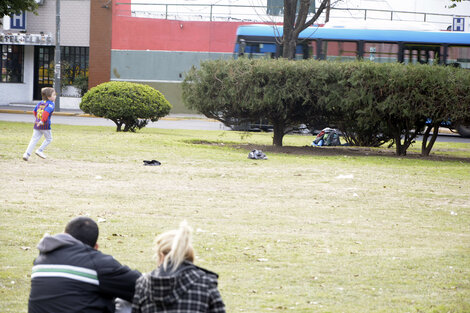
157 65
162 70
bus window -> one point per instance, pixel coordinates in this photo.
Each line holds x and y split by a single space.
381 52
259 50
458 56
313 49
340 50
302 51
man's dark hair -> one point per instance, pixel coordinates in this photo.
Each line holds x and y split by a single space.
84 229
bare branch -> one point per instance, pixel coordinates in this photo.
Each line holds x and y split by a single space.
315 17
302 17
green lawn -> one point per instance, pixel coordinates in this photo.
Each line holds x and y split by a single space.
297 233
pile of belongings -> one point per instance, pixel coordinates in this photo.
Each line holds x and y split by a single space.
327 137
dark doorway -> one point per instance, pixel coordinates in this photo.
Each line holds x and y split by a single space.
43 69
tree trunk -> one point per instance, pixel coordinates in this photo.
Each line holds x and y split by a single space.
407 141
289 49
425 146
399 147
425 137
294 22
288 39
278 135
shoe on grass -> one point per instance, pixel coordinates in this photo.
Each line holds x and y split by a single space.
40 154
25 156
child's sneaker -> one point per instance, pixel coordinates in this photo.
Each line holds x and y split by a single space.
40 154
25 156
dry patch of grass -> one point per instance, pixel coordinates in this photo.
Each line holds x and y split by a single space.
299 233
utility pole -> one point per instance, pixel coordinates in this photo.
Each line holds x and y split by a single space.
57 86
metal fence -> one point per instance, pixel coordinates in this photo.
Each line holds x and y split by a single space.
256 13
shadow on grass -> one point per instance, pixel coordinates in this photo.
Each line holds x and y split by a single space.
332 151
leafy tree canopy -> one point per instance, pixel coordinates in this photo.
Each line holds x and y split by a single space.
10 7
454 4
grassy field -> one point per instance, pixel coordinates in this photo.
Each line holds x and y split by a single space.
296 233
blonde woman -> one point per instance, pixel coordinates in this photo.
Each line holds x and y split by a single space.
177 285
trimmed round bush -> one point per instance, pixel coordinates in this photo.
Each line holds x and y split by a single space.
129 105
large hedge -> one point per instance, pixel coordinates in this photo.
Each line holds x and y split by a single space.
370 103
127 104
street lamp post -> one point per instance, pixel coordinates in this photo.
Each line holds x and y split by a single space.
57 86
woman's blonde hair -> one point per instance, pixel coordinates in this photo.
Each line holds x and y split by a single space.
174 247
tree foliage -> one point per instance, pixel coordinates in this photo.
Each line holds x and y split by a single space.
127 104
454 4
10 7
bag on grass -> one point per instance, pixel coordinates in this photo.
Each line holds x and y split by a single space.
257 155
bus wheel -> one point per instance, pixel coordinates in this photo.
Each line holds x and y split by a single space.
464 130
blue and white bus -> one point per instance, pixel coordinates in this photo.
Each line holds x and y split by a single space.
345 44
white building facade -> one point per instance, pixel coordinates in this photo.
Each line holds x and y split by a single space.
27 46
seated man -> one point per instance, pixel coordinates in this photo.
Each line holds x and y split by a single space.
71 275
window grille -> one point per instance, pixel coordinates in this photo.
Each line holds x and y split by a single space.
11 63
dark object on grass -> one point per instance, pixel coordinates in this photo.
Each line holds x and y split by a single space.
152 163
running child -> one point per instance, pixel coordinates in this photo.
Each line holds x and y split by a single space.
42 125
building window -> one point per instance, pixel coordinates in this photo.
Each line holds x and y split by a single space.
11 63
74 63
276 7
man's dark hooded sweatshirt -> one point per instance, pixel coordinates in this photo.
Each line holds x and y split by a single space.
70 276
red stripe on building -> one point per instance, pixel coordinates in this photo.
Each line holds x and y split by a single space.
133 33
